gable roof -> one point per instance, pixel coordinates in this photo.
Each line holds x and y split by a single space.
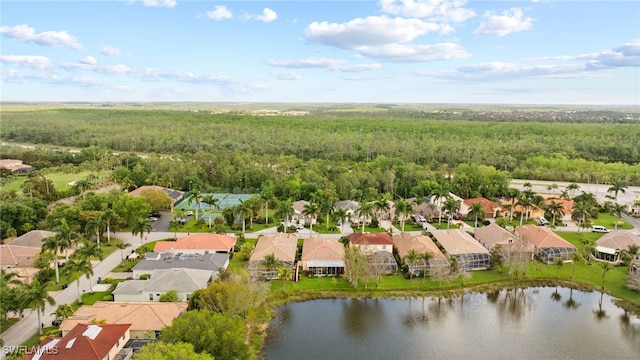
567 205
283 246
422 207
488 205
370 239
198 241
18 256
15 165
211 262
542 237
419 243
619 240
322 249
347 205
83 342
33 238
173 194
298 206
141 315
457 242
179 280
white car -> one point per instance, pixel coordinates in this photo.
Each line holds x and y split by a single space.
189 213
300 227
599 229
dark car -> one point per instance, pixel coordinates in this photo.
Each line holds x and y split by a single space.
57 321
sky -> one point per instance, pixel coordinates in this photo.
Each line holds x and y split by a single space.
386 51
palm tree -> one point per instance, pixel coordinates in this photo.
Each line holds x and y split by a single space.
63 311
552 187
451 206
243 209
513 195
411 258
77 265
617 210
476 211
381 206
36 297
139 227
403 208
364 212
52 244
284 273
575 259
212 203
556 209
122 245
525 202
284 210
106 218
67 236
341 214
439 192
618 186
606 267
588 247
426 257
633 251
270 263
582 212
325 200
94 224
267 196
311 210
196 197
559 263
89 250
571 188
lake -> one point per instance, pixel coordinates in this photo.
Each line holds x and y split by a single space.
533 323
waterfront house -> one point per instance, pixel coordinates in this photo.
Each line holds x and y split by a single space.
467 251
421 244
547 245
322 257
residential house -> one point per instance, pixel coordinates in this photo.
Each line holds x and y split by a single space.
183 281
282 245
298 213
84 342
146 318
492 236
567 208
198 243
427 209
154 261
468 252
175 195
16 166
378 248
609 246
19 255
351 208
421 244
548 245
464 208
491 209
322 257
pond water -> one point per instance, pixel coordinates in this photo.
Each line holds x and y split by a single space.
534 323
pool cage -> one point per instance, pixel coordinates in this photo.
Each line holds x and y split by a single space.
383 262
258 270
434 264
473 261
548 255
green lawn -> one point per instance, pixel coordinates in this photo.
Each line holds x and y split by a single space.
608 221
36 339
7 324
60 180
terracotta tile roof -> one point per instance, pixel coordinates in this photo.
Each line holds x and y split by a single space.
420 243
492 235
620 240
456 242
370 239
567 205
84 342
142 316
198 241
488 205
322 249
18 256
283 246
542 237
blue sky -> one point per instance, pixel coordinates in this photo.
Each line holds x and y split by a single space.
387 51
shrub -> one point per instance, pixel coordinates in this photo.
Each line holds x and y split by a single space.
169 296
108 279
145 276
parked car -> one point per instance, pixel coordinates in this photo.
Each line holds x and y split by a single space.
599 229
299 227
57 321
421 219
189 213
542 220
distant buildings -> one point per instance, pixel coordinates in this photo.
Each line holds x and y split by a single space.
16 166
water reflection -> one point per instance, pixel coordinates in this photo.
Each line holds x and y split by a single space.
533 323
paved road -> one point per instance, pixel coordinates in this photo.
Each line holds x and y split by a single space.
631 194
26 327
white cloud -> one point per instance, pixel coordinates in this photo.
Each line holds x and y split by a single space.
444 10
110 51
267 15
415 53
160 3
219 12
36 62
503 24
288 76
336 65
89 60
369 31
26 33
